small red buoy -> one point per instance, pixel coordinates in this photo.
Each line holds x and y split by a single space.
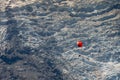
79 43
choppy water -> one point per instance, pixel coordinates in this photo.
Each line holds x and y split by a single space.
38 41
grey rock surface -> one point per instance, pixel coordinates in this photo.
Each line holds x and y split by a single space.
38 40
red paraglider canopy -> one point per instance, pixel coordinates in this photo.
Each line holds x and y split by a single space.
79 43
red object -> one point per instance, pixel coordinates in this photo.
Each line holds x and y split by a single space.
79 43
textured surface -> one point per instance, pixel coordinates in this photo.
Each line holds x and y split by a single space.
38 40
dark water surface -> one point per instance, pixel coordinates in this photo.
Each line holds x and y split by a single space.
38 41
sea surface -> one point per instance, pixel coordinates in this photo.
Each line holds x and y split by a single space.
38 40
